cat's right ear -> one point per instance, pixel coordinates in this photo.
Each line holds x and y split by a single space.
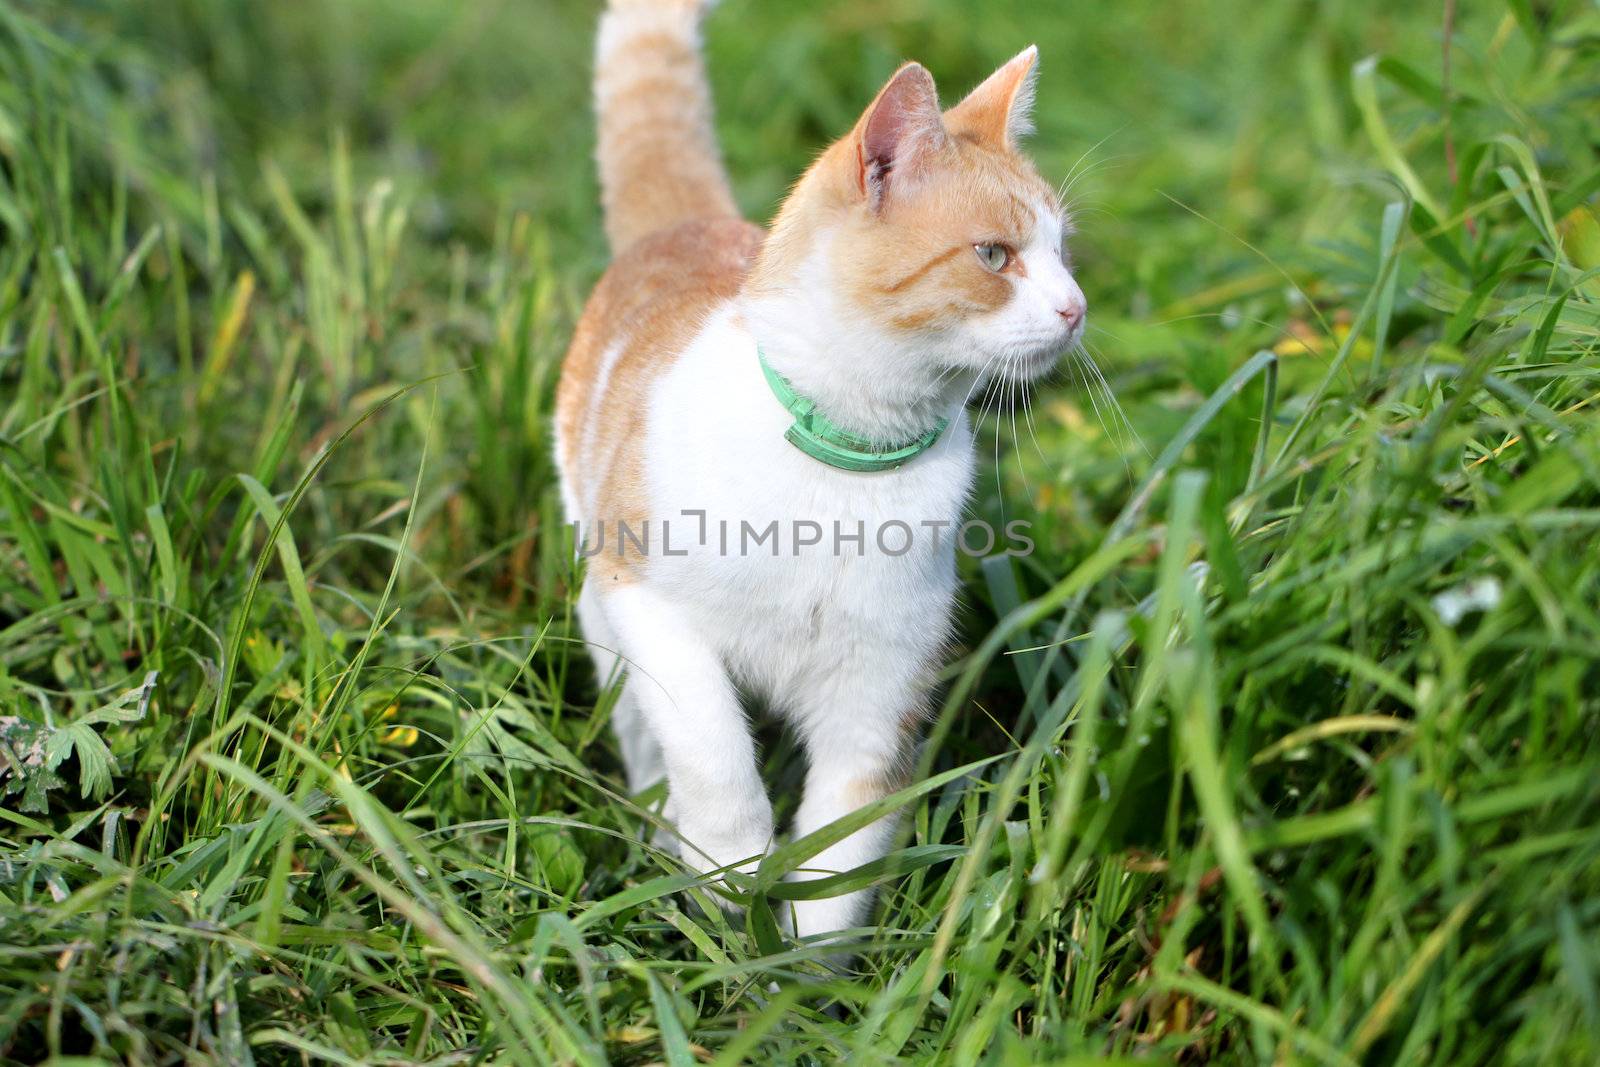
898 131
998 111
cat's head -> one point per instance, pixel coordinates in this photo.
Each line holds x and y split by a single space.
933 231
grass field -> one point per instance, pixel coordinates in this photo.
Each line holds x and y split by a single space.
1281 748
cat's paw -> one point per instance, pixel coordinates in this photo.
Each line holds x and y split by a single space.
827 920
727 859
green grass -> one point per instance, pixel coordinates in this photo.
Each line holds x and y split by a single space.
302 756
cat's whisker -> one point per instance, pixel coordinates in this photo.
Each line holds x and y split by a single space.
1084 209
1111 396
1097 328
1033 433
1111 432
999 481
1114 428
1019 386
1073 174
995 394
1087 152
1072 182
979 380
948 373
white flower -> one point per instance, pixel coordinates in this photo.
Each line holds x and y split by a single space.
1479 594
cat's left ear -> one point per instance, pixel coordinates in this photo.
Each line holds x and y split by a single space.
1000 111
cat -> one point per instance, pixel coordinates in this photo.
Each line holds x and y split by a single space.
724 382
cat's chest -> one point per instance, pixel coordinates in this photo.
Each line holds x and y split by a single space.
774 537
715 439
769 525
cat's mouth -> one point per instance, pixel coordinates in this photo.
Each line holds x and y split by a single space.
1042 360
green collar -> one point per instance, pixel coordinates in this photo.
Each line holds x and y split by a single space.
820 439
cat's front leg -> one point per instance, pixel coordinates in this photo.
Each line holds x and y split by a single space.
682 691
860 727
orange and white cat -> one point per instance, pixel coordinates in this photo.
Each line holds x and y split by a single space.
919 256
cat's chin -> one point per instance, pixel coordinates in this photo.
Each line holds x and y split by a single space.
1036 366
1031 366
1023 360
1025 366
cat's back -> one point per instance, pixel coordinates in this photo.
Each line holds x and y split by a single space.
644 312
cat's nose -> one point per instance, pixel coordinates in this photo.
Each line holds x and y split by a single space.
1072 314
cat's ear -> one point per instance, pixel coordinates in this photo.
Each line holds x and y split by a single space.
901 127
1000 111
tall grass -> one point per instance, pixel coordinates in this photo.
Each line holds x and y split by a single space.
1282 747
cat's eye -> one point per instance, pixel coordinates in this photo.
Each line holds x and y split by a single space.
993 256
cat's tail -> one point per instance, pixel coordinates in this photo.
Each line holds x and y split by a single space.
659 163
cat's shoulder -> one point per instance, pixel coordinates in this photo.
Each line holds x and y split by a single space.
683 268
